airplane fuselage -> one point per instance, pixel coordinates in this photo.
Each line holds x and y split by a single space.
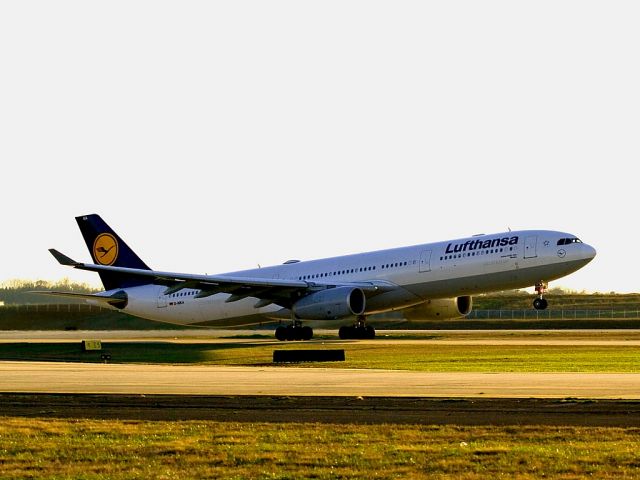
417 273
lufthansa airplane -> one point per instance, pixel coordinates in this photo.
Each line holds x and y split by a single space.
429 281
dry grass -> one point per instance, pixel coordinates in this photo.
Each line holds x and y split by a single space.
40 448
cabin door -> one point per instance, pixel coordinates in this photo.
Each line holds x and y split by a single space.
162 298
425 261
530 247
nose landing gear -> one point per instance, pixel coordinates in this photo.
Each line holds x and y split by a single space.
540 303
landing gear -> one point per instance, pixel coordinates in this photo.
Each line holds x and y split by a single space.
540 303
358 331
294 331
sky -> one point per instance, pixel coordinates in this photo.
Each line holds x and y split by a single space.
218 136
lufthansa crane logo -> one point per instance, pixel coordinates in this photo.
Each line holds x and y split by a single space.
105 249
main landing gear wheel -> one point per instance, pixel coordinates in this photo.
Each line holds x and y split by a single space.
358 331
540 303
294 332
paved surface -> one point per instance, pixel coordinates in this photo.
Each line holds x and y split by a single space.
57 377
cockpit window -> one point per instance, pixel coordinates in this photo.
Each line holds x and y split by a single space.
567 241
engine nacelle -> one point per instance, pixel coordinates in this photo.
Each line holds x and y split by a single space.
331 304
439 309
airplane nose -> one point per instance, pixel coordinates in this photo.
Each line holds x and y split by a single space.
589 252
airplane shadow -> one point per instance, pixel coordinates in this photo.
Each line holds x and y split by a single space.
236 353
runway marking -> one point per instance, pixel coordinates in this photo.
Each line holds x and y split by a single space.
43 377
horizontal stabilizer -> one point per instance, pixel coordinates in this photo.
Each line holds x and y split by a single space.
118 299
62 258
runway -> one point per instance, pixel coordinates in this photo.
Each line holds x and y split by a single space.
45 377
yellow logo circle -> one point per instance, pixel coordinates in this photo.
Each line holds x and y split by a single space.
105 249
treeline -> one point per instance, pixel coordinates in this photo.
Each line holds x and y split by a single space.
18 292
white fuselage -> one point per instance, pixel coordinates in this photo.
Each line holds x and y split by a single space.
446 269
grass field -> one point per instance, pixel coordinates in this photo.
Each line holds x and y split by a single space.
410 356
50 448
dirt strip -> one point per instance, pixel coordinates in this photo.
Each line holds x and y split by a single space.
339 410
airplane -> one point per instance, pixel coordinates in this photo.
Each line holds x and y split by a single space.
422 282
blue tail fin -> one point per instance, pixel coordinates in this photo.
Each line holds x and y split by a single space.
107 248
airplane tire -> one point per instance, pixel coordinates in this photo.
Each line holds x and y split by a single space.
370 332
281 333
306 333
292 333
540 304
344 333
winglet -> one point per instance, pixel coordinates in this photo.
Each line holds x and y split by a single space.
63 259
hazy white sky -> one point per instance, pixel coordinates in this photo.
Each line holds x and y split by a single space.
215 136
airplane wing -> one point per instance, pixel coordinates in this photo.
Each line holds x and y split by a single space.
268 290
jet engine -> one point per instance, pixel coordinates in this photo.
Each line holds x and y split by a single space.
439 309
331 304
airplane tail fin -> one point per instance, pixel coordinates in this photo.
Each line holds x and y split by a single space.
107 248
